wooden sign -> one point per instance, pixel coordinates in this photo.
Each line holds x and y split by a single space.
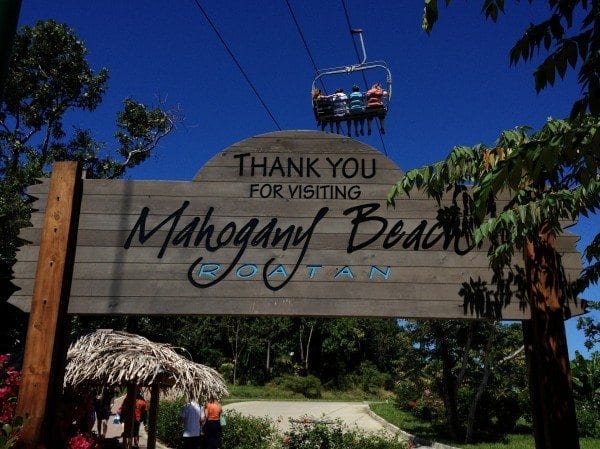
286 223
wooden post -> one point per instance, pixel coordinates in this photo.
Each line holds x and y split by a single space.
45 347
545 341
152 416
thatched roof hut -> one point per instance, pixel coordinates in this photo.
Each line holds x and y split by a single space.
113 358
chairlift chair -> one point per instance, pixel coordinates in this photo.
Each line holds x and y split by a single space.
324 112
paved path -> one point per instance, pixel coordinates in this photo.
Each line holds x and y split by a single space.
281 412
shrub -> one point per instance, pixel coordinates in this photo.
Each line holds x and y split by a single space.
407 393
336 436
309 386
371 379
588 422
168 427
244 432
226 370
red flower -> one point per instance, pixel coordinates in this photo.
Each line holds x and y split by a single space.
83 441
10 380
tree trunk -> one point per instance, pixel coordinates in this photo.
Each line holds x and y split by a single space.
449 392
487 369
545 341
312 328
268 366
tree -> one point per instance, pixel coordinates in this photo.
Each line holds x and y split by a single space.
546 176
464 376
586 386
49 78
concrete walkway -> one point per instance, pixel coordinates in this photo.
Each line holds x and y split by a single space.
115 431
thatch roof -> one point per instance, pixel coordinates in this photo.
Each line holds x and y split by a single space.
114 358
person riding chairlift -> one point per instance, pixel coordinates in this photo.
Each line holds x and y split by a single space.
340 110
375 106
323 108
357 109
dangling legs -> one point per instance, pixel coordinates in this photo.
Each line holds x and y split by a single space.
349 126
369 120
382 123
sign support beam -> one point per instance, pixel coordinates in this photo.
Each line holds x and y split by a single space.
45 347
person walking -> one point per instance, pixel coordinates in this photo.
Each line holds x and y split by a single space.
213 432
192 418
139 417
103 405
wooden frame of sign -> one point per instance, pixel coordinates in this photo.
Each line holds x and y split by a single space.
287 223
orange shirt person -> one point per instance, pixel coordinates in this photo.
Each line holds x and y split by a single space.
212 427
375 106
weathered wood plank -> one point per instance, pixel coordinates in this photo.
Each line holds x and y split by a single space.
283 307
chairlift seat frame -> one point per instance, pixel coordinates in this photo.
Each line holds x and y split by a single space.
368 113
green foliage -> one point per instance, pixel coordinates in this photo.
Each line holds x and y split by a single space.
334 435
586 388
226 370
50 78
244 432
550 175
406 393
10 432
449 362
308 386
168 427
590 327
588 421
371 379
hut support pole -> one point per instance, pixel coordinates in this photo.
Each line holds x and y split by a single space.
45 347
152 416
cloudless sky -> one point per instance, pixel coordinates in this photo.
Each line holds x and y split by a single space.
453 87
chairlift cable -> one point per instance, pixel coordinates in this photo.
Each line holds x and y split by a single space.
212 25
299 29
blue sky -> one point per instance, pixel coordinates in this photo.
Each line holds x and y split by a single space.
453 87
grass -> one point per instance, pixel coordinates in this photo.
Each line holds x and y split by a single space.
275 393
414 426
